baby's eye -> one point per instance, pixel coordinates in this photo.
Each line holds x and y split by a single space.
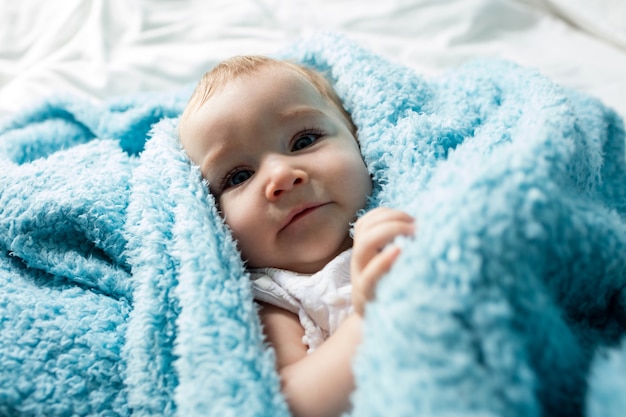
236 177
305 140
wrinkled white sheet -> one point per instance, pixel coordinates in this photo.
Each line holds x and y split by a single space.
105 48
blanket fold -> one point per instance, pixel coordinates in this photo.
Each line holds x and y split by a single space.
122 292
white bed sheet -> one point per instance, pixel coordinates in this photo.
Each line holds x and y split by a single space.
106 48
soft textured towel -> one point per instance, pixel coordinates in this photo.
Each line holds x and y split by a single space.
122 292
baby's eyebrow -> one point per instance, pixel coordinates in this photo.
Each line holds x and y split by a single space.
212 160
301 112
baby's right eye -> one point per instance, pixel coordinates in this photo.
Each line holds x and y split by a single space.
236 177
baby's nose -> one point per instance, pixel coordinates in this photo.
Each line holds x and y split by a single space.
283 177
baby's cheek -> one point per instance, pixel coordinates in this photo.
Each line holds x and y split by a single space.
248 231
362 183
236 219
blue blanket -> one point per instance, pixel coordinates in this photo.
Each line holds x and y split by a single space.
122 292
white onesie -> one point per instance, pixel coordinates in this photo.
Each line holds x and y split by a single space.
321 301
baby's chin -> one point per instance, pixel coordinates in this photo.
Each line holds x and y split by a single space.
306 259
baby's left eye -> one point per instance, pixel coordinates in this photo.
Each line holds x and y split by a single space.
305 140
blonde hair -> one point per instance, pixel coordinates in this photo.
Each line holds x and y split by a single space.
234 67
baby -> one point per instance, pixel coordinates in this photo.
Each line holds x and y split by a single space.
281 158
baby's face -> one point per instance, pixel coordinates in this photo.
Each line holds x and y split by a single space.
284 166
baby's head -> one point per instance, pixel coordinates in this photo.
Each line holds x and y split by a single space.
281 158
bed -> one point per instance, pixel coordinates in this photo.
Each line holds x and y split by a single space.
88 330
104 49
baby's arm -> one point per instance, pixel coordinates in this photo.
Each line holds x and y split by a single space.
373 253
318 384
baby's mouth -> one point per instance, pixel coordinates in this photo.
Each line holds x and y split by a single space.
299 213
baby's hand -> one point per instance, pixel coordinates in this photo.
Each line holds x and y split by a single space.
372 253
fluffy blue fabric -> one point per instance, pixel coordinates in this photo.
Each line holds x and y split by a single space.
122 292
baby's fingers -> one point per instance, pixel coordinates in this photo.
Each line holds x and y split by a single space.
381 215
364 287
370 241
377 267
